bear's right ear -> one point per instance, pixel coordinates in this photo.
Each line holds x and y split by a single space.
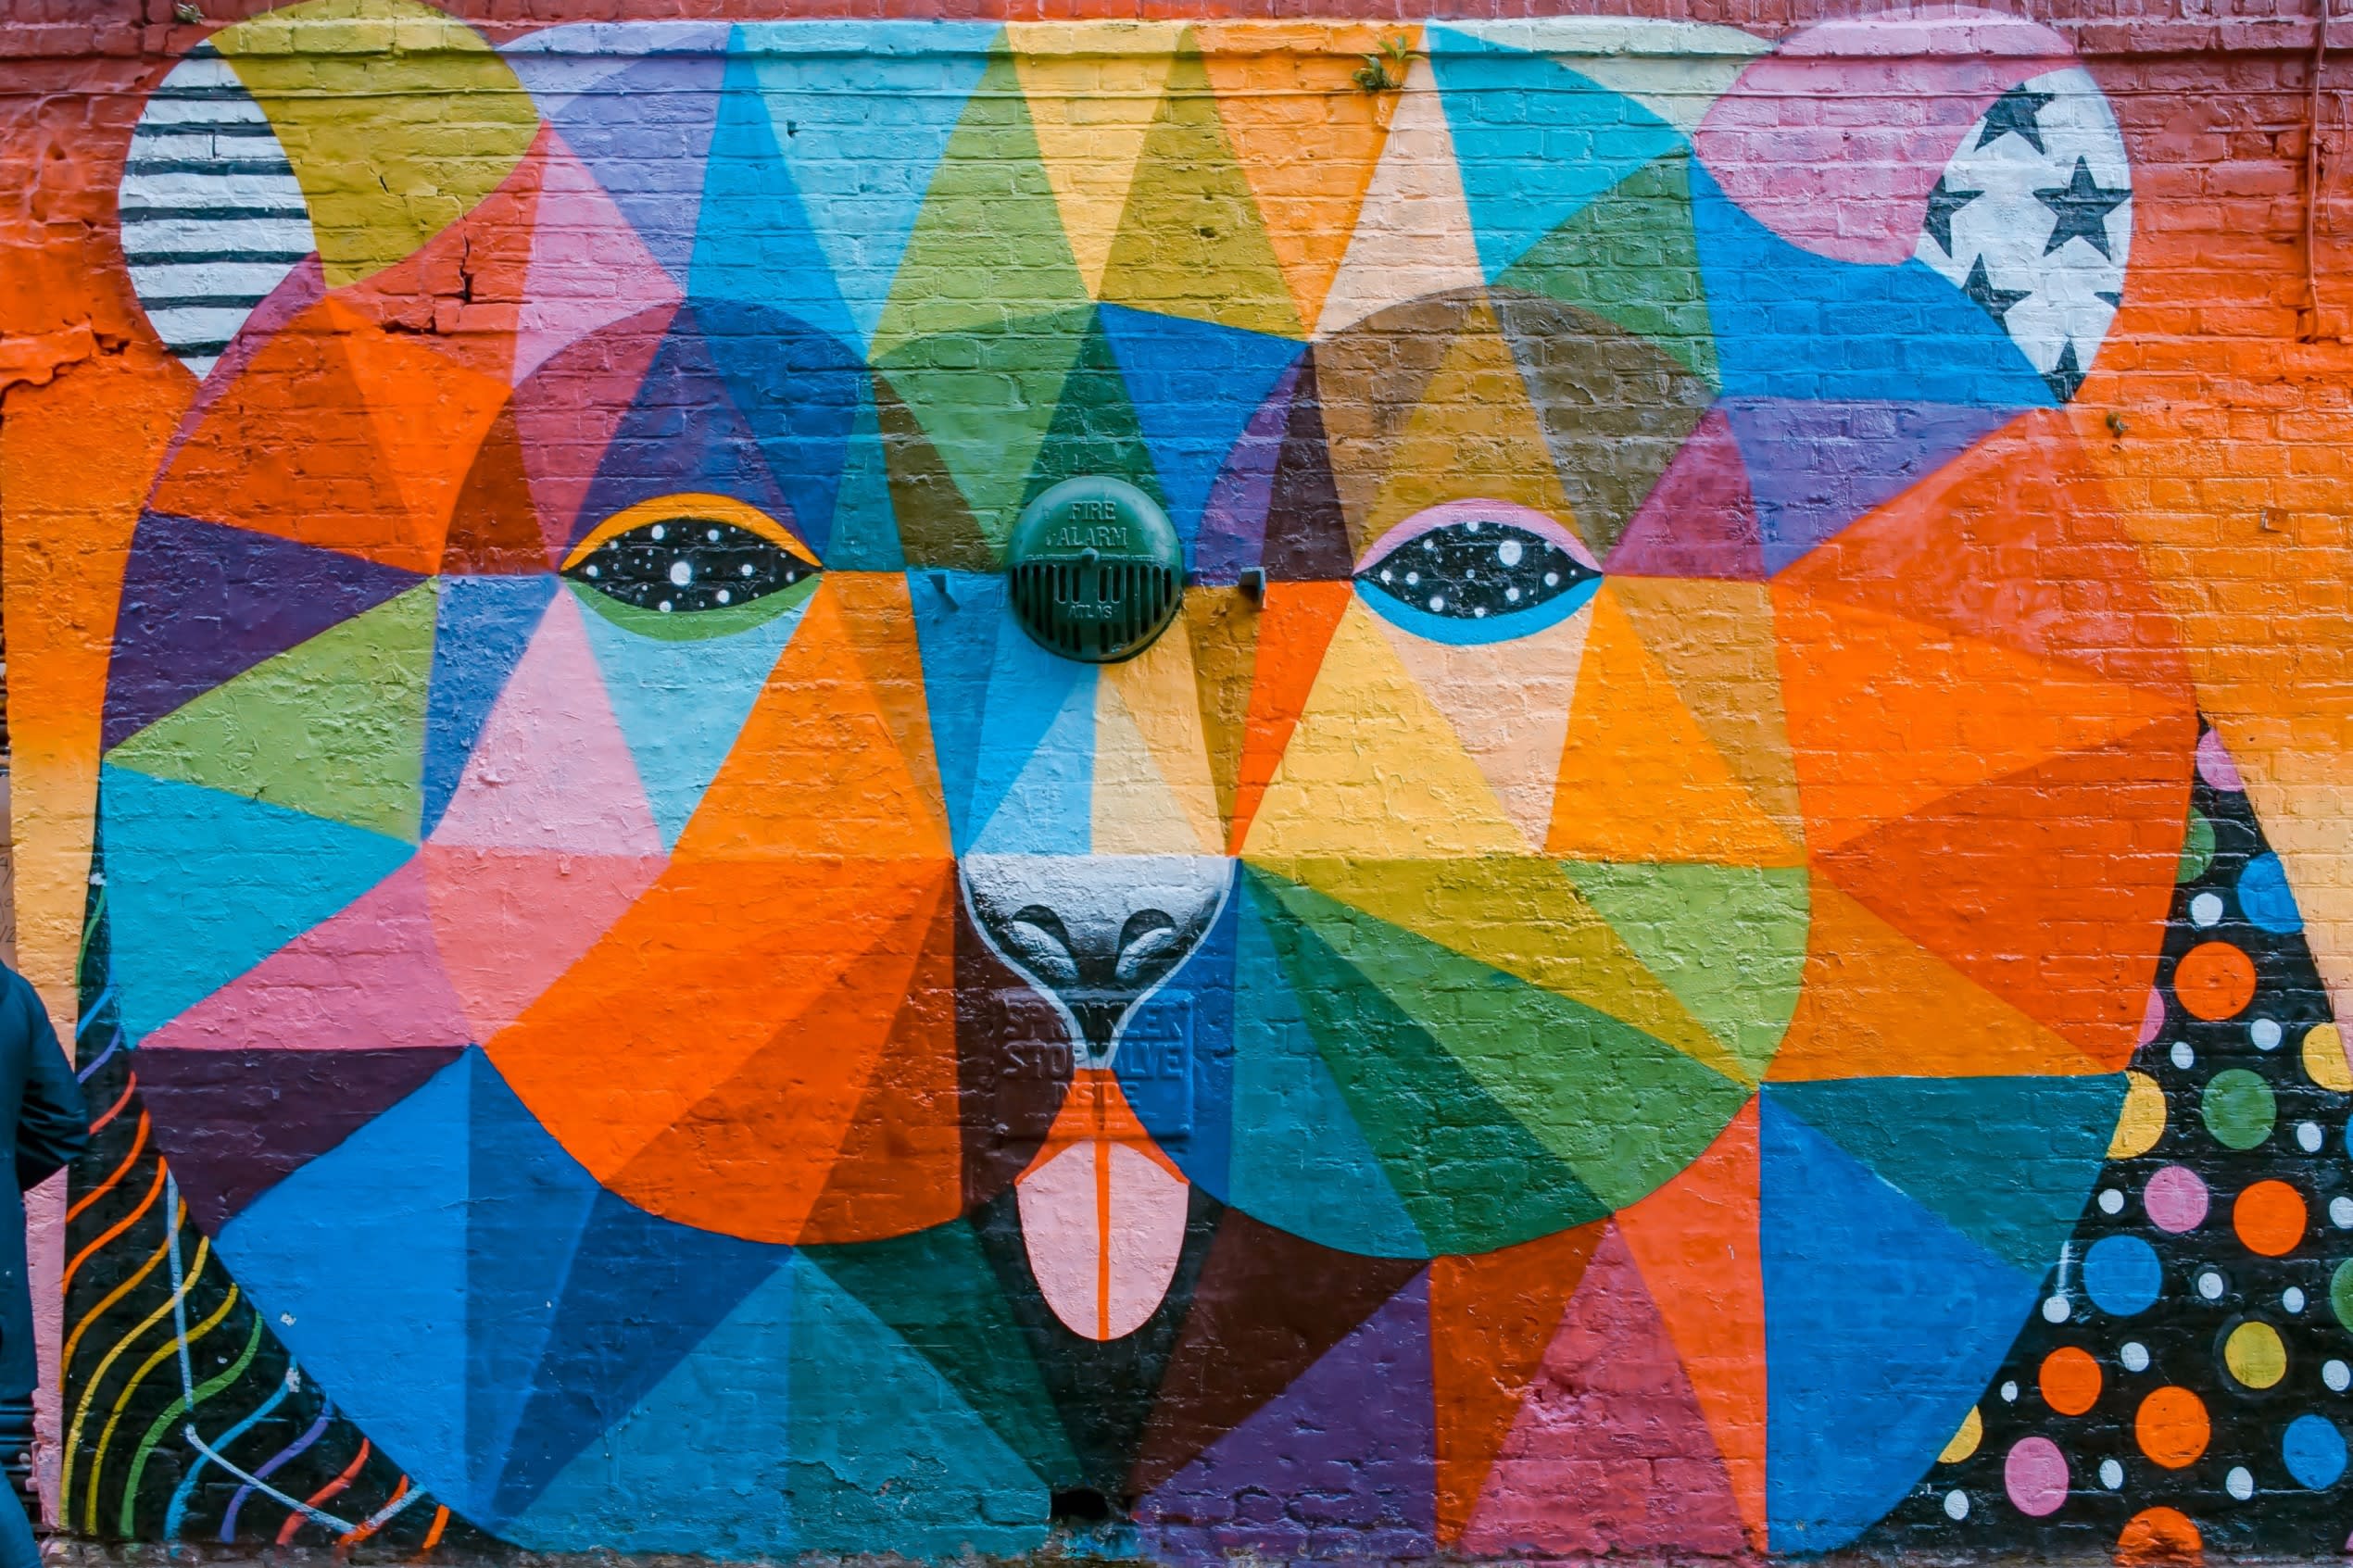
352 130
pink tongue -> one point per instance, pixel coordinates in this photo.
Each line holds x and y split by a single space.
1103 1217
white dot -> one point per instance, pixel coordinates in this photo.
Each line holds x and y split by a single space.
1479 614
681 572
2112 1474
594 571
660 531
2111 1201
2010 1393
2337 1375
1438 601
2292 1299
2206 909
1413 579
2307 1137
663 607
2134 1355
1386 574
725 598
744 571
2265 1033
2183 1055
1957 1505
2209 1284
1552 580
1473 526
712 535
1509 552
2341 1213
2056 1309
1511 595
2239 1482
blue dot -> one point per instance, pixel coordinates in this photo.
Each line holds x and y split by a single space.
2264 898
2314 1449
2122 1274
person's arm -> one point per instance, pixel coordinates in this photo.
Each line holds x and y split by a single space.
51 1124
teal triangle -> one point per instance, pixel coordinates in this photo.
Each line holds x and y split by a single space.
681 703
1033 780
863 112
1095 428
1533 140
752 239
1957 1145
202 886
865 533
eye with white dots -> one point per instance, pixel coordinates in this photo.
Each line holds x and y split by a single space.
690 566
1478 572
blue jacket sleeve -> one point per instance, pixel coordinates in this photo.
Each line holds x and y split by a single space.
51 1124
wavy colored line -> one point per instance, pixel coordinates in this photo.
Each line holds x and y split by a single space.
98 1376
89 1012
106 1056
433 1536
375 1521
90 924
138 1142
82 1324
130 1085
74 1264
176 1511
295 1521
183 1405
269 1467
106 1435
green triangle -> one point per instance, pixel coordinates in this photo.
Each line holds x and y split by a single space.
334 727
934 520
1191 241
1729 941
1628 256
936 1289
1621 1110
988 246
1470 1175
1095 428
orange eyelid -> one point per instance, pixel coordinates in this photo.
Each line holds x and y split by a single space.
708 509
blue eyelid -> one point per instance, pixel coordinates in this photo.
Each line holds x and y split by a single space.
1487 629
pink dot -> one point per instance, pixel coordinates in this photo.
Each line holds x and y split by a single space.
2175 1199
2152 1016
2035 1475
2214 764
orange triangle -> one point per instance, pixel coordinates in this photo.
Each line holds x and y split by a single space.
494 528
1294 628
1887 715
1639 780
881 624
1872 1004
1306 136
1490 1318
431 415
2048 887
1695 1241
819 768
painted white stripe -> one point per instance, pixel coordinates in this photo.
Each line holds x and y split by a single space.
188 280
268 235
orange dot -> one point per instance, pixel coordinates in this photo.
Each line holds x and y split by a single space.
2070 1381
2159 1535
2172 1427
2214 979
2268 1217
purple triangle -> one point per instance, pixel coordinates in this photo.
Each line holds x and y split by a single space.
232 1124
1344 1463
1306 533
643 134
201 603
1814 467
1699 520
1233 523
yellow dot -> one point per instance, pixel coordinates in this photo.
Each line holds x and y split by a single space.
2143 1120
1965 1441
2255 1355
2324 1057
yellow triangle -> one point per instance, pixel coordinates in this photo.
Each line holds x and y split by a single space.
1093 89
1134 810
1159 701
1639 780
1372 769
1414 232
1523 917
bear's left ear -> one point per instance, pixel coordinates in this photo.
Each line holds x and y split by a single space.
352 130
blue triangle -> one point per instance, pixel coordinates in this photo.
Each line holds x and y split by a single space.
644 134
801 391
959 616
1193 386
358 1260
611 1344
865 531
1881 1324
202 886
752 241
863 112
681 704
483 626
1793 324
1534 142
1957 1146
1034 791
1176 1057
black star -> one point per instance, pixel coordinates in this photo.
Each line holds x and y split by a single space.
1995 302
2066 376
2081 209
2013 113
1943 202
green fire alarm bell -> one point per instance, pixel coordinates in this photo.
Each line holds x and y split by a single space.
1096 570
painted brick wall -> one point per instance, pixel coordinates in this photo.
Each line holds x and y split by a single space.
1703 919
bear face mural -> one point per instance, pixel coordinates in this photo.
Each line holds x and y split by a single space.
1659 708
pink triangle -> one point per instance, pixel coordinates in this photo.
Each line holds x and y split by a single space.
588 268
511 922
1699 520
368 979
1609 1451
552 771
566 412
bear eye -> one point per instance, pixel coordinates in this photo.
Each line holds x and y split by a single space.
686 565
1476 574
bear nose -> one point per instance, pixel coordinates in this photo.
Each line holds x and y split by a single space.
1095 934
